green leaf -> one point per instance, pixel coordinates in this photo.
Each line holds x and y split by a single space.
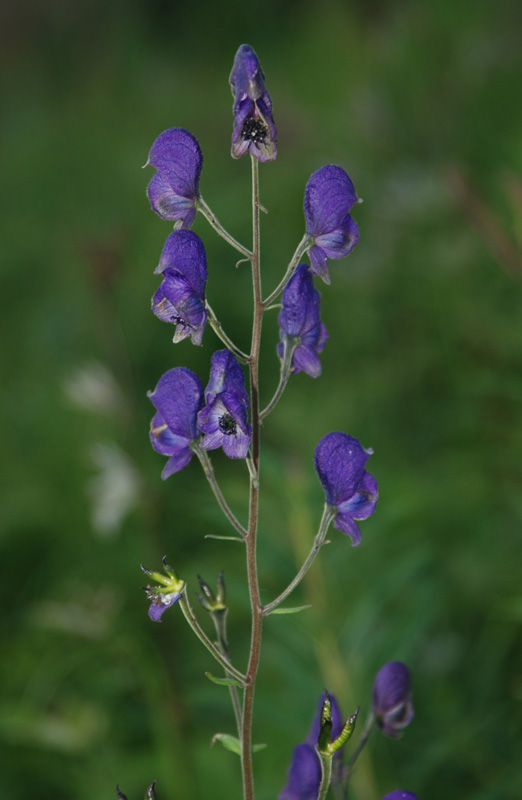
223 681
233 744
292 610
226 538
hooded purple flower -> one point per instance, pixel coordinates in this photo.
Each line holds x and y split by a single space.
304 774
299 319
178 397
224 418
180 298
340 462
174 189
398 794
254 128
329 196
392 703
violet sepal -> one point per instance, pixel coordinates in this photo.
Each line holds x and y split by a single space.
174 189
254 128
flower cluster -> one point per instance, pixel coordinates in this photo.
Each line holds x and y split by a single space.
187 416
190 419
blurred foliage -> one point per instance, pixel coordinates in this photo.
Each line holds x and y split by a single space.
420 103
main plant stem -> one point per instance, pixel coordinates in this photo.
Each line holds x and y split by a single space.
253 585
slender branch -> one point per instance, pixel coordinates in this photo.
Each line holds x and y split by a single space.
190 616
328 514
209 474
220 333
253 585
216 224
289 345
219 618
300 249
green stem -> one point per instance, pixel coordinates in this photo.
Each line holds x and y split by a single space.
253 585
300 250
220 333
290 343
216 224
328 515
189 615
220 623
326 774
209 474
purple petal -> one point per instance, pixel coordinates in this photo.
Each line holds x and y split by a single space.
185 252
319 263
304 775
173 191
226 375
224 424
363 502
329 196
341 241
340 461
177 461
160 602
178 397
398 794
300 303
346 525
175 302
305 359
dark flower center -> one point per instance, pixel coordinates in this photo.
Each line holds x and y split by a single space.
228 425
254 129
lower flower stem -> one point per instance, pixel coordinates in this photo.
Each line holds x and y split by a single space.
209 474
218 227
328 514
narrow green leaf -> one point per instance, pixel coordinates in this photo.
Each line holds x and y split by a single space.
223 681
226 538
293 610
231 743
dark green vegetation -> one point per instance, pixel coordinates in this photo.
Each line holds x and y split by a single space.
420 103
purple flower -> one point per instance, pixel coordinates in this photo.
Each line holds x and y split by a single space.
254 128
224 418
178 397
392 705
180 298
398 794
340 462
174 189
299 320
304 774
329 196
160 601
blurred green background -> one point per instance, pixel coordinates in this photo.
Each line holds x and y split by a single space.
420 103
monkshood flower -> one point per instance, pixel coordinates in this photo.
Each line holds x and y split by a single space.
340 462
398 794
174 189
329 196
299 323
223 421
178 398
304 774
254 128
180 298
392 705
165 595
